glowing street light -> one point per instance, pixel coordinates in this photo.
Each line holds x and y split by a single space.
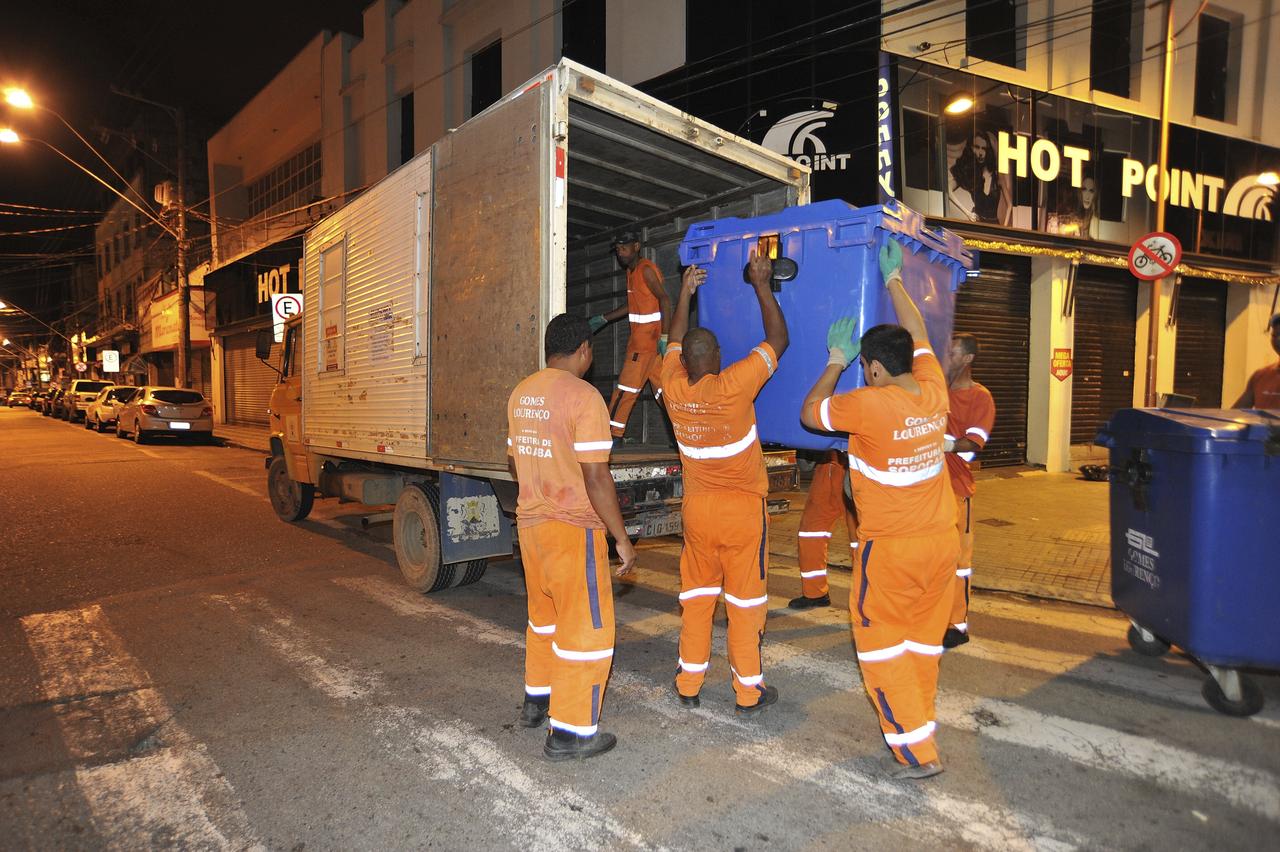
16 97
9 137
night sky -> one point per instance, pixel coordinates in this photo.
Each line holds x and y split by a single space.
208 57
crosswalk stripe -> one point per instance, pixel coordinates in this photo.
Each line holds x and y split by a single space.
1171 767
535 814
983 825
175 791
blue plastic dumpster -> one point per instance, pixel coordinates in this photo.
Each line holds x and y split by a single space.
1195 498
836 248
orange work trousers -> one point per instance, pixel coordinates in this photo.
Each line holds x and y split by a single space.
641 364
569 640
899 607
964 564
726 549
825 503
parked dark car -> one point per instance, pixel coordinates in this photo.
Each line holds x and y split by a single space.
37 400
49 406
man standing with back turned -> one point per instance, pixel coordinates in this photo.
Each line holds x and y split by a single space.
726 520
558 450
902 591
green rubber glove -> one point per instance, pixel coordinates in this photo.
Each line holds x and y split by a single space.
891 260
662 345
842 349
597 322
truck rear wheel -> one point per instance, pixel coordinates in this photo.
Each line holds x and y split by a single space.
416 534
291 500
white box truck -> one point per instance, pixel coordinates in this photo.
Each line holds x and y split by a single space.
426 298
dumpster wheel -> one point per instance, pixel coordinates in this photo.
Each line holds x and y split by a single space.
1215 693
1145 642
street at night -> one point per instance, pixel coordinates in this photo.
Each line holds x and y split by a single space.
184 670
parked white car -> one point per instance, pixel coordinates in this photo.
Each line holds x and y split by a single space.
76 401
102 411
165 411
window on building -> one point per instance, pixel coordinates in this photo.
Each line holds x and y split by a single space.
991 31
406 128
331 354
1213 56
291 184
582 29
117 250
1111 46
486 76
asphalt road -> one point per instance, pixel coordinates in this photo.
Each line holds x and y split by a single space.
183 670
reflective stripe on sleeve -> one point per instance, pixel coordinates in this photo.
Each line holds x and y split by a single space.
697 593
967 456
617 424
768 362
920 648
809 575
974 430
746 603
694 667
723 451
643 319
580 730
536 691
591 446
882 654
628 389
508 442
920 734
964 572
542 630
824 415
813 534
924 350
898 479
581 655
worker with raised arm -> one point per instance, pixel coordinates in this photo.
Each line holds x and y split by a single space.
969 424
903 582
825 503
726 520
648 308
558 448
1263 388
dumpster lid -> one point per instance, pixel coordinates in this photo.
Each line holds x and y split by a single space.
1203 430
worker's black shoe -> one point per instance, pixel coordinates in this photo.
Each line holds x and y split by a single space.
803 602
686 700
904 772
769 696
954 638
565 745
534 711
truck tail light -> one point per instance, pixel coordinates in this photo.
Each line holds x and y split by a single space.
150 409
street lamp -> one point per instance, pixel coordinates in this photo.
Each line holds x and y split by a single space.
7 306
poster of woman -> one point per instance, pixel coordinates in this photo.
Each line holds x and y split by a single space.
1071 211
975 190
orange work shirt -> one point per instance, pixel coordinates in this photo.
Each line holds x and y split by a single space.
1265 384
555 422
642 305
714 420
973 413
895 452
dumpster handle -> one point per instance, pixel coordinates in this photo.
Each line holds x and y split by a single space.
1136 473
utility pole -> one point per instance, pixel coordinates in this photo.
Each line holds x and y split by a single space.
182 366
1162 189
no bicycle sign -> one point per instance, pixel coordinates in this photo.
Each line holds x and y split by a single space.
1155 256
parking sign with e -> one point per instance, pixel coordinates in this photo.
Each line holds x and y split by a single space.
284 306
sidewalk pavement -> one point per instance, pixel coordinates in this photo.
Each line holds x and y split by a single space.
1036 533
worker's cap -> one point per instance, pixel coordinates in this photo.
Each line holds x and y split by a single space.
626 238
1275 321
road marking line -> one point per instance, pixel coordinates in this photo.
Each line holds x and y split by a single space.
1091 745
235 486
542 817
102 695
980 824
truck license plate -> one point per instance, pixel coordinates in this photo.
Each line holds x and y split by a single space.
179 424
662 525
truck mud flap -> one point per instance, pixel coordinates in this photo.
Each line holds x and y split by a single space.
472 523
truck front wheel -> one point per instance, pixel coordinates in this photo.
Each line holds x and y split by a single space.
416 534
292 500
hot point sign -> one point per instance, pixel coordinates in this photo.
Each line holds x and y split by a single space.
1245 199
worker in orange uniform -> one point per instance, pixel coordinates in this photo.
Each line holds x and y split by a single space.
1263 390
726 521
558 448
903 584
648 309
973 414
826 502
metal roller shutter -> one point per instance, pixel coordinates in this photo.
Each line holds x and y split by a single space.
995 307
249 382
1106 316
1202 332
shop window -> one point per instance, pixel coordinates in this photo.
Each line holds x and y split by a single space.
1111 47
331 353
992 32
583 37
919 141
486 77
1213 75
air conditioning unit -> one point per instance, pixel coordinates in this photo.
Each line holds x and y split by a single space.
165 194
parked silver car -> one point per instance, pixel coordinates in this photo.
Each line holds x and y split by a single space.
102 411
75 402
165 411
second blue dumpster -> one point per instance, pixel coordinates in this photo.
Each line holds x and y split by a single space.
835 247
